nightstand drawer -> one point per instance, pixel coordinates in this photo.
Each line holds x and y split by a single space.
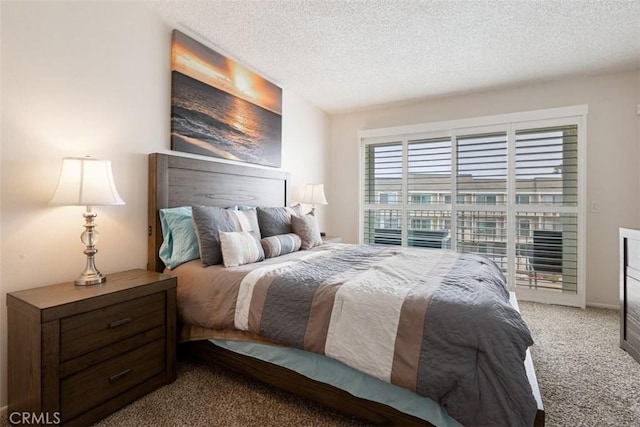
89 388
89 331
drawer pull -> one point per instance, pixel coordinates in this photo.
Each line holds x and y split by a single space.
120 375
119 322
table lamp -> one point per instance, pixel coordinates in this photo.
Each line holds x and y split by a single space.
314 195
85 181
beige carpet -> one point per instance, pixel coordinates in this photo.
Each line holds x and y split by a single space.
206 395
585 378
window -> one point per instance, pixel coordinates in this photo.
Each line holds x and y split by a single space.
485 228
388 198
484 199
546 160
388 220
551 199
502 183
420 199
550 224
482 167
524 227
420 224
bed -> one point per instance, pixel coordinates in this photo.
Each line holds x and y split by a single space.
176 181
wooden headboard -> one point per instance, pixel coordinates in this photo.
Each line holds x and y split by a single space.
182 181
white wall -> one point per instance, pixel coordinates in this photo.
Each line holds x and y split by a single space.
93 78
306 150
613 150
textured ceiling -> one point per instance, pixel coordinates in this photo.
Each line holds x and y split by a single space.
351 55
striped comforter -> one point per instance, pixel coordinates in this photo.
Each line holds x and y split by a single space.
438 323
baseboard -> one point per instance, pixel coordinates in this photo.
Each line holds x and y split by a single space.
598 305
3 412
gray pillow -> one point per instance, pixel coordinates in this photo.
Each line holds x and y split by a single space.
210 220
307 228
275 221
281 244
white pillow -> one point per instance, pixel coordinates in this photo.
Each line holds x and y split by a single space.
239 248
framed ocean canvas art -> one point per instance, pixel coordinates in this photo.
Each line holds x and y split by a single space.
220 108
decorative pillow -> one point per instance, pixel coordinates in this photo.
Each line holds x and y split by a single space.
307 228
246 220
210 220
180 242
239 248
274 221
281 244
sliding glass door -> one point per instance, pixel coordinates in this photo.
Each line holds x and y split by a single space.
511 192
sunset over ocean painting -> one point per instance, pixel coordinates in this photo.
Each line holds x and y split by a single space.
222 109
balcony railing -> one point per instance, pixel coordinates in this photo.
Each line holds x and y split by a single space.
418 238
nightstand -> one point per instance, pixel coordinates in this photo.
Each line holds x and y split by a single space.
331 239
79 353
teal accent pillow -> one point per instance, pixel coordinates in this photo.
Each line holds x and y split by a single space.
180 241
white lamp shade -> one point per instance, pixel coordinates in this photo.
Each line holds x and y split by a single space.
314 194
85 181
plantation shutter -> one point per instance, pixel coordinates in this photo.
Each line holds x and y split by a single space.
482 195
429 192
546 167
383 193
508 191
